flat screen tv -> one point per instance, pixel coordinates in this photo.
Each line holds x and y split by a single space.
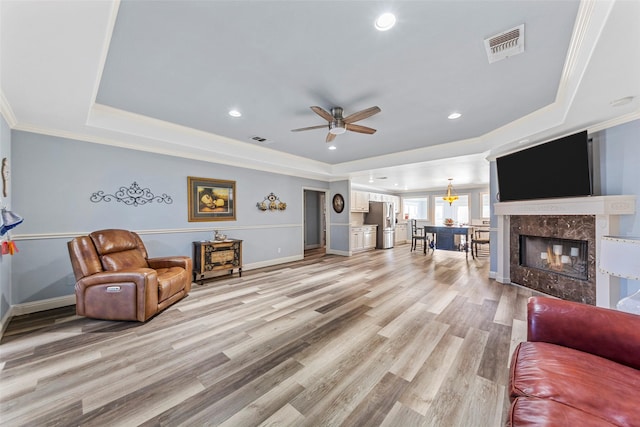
559 168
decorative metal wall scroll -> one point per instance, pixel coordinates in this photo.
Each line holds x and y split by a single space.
272 203
133 195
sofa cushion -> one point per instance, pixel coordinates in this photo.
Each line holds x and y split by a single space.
588 383
531 411
171 281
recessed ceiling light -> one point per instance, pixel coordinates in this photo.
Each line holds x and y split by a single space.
235 113
454 116
332 147
385 21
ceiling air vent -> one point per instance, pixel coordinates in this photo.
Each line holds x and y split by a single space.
505 44
261 139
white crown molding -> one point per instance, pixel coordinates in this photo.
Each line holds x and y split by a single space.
591 18
113 16
7 111
290 168
617 121
208 146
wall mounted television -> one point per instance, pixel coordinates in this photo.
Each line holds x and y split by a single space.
559 168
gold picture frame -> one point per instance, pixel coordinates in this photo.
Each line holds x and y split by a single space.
211 199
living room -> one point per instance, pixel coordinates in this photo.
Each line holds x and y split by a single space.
55 170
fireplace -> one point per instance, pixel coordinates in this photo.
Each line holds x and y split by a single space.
573 219
561 256
547 242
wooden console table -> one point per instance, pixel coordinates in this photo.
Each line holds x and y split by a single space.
444 237
213 256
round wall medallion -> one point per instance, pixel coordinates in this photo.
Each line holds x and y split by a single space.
338 203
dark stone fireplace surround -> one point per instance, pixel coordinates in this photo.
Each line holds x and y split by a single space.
574 227
576 218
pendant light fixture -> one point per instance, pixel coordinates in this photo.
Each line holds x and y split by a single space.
451 194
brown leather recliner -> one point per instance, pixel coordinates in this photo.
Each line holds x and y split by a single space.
115 279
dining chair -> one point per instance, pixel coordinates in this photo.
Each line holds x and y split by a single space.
480 237
417 235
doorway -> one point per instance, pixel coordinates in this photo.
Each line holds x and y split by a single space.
314 223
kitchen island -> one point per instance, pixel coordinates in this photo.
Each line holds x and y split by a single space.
444 237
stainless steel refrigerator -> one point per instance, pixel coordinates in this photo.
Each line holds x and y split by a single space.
382 214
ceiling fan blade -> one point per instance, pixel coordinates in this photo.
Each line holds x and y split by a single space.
360 129
361 114
309 128
331 137
322 113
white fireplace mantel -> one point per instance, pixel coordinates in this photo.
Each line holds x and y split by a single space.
606 210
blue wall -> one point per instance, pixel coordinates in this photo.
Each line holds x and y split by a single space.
620 174
53 179
339 228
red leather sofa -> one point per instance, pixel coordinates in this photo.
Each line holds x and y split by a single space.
580 366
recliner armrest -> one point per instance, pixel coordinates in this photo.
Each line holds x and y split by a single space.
138 275
612 334
171 261
144 279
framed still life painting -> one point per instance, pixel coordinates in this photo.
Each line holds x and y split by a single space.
211 199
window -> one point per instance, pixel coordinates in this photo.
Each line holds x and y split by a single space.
459 210
486 209
415 208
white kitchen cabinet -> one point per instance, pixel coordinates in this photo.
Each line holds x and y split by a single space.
363 238
369 237
357 239
401 234
359 201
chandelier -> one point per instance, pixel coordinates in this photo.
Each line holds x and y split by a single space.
451 194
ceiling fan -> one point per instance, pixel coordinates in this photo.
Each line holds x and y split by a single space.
338 124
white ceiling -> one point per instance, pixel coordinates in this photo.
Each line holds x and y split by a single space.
161 76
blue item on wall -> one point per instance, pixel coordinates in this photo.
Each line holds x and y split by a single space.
9 220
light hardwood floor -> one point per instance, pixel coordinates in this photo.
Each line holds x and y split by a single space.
383 338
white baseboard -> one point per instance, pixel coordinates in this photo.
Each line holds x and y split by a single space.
34 307
271 262
42 305
493 274
336 252
5 321
501 279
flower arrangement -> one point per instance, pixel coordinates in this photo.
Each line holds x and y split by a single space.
448 222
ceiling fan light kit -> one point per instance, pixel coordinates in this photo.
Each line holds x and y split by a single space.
338 124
